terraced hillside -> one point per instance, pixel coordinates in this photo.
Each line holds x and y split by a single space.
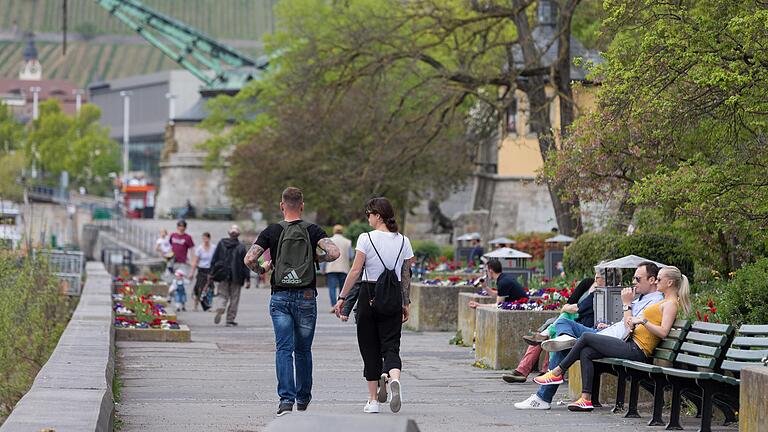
230 19
111 54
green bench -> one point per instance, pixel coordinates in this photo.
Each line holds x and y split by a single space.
712 373
218 213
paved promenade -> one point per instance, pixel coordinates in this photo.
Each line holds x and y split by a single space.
224 380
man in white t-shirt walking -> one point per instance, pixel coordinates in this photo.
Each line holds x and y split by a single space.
336 271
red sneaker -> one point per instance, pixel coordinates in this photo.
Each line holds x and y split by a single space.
548 379
581 405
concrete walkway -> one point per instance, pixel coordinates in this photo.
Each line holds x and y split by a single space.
224 380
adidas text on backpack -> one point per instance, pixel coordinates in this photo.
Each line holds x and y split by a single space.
294 263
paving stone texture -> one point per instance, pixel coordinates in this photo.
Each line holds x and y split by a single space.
224 380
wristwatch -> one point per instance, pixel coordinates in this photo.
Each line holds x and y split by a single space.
645 321
626 308
342 298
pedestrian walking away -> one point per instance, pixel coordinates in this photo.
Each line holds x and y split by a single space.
201 263
384 257
230 274
336 271
295 247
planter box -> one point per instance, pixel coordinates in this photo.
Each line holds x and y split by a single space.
499 342
435 308
466 315
607 388
163 303
153 335
753 399
158 288
167 317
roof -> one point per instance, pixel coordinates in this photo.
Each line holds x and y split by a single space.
469 236
62 90
560 238
502 240
629 261
507 253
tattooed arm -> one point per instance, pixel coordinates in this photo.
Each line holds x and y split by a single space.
331 250
405 281
252 259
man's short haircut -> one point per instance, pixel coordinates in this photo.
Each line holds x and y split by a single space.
181 222
495 265
293 198
650 268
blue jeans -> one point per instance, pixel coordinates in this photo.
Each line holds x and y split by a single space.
571 327
335 279
562 326
294 314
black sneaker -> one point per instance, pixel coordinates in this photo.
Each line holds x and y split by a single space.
231 324
284 408
301 406
514 377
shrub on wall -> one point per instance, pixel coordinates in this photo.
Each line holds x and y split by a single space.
426 248
661 248
33 314
588 250
744 298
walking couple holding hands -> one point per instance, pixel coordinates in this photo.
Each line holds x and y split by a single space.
382 262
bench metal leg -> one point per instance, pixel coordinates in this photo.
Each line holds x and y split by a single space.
706 409
634 395
658 401
674 413
621 387
596 387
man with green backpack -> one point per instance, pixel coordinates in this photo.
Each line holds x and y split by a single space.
292 245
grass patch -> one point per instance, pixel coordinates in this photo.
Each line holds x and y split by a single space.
457 339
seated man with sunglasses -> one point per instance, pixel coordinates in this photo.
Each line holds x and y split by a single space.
568 331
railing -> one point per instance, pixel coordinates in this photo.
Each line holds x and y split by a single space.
132 234
68 266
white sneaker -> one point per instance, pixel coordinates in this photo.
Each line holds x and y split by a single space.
371 407
382 394
395 400
560 343
533 403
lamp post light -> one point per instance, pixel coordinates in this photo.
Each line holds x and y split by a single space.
35 115
78 99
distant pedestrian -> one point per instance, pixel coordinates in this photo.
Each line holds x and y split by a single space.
293 245
384 256
181 244
178 291
230 273
336 271
163 249
201 262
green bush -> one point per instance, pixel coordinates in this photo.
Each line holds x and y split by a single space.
355 228
662 248
426 248
447 251
744 298
33 314
588 250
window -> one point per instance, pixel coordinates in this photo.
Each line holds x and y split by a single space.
512 117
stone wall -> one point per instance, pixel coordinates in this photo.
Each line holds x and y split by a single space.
499 343
466 315
434 308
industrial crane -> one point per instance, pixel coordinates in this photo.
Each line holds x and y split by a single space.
222 69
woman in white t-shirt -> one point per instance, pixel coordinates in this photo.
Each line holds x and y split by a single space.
202 263
377 335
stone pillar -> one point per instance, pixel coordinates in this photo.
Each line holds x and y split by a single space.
466 315
753 399
499 342
435 308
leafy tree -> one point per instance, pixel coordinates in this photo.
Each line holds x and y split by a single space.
422 66
77 144
681 123
11 166
11 131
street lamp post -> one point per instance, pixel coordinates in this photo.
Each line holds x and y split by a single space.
35 115
126 137
78 99
171 106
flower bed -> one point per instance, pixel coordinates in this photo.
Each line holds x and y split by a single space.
141 316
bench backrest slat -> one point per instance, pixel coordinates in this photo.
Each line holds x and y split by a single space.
704 346
668 348
749 348
753 329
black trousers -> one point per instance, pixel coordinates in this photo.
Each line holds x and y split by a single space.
377 336
591 346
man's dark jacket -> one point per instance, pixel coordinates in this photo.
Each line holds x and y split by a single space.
232 253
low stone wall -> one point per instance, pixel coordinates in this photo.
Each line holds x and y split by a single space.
753 399
499 342
466 315
434 308
73 391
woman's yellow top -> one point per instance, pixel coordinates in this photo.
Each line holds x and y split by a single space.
644 338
